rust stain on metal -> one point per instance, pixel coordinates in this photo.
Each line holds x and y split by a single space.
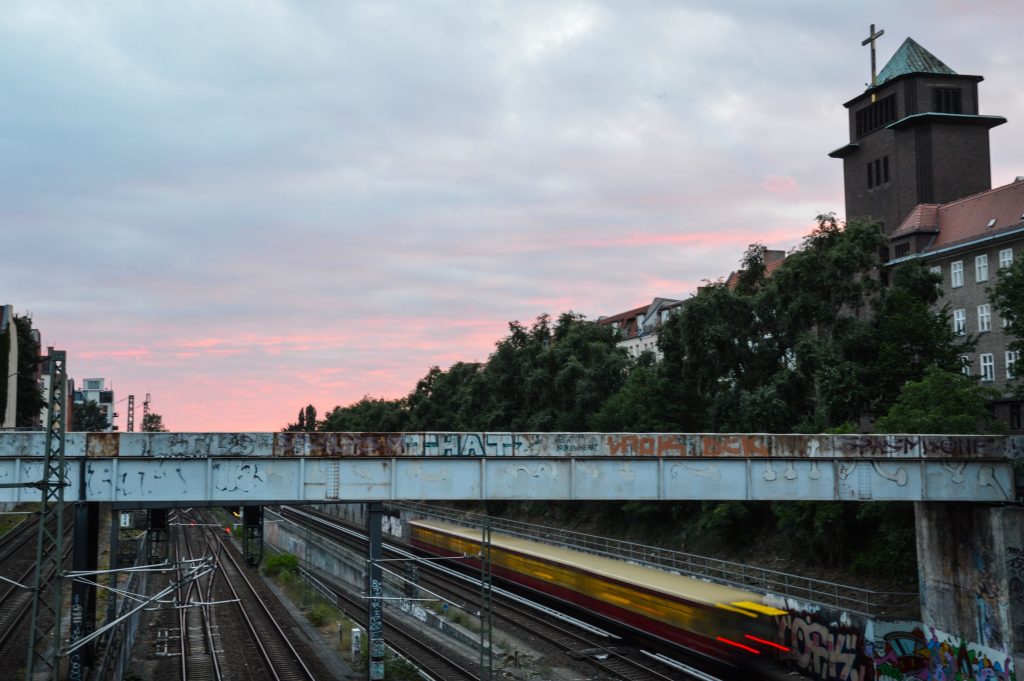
102 444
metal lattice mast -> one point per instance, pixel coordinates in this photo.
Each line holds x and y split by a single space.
486 656
145 410
131 414
44 634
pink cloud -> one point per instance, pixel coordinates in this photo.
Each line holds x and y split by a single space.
779 184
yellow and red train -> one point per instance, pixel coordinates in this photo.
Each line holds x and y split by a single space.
718 621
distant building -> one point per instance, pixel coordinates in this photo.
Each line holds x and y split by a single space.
94 390
772 261
915 137
918 162
638 328
9 364
967 241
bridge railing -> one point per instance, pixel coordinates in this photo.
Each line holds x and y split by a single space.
852 599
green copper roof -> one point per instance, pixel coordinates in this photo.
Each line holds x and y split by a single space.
912 58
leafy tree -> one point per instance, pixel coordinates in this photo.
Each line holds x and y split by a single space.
306 422
369 414
30 395
942 402
153 423
447 400
550 377
89 417
819 343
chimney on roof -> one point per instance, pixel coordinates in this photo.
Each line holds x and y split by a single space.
1019 178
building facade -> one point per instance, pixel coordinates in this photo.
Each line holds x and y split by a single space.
638 328
967 242
9 365
95 390
918 162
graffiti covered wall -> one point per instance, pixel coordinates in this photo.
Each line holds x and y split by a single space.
903 652
826 645
829 645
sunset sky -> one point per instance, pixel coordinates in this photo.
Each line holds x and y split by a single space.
242 207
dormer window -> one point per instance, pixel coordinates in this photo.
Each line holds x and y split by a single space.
901 250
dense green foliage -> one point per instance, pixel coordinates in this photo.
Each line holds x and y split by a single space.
942 402
280 563
89 417
826 342
30 395
153 423
548 377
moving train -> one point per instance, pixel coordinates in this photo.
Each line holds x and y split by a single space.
720 622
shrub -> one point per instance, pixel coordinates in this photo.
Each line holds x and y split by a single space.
280 564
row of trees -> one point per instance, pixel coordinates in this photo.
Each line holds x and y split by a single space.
829 342
90 417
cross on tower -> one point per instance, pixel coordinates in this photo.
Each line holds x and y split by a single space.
871 39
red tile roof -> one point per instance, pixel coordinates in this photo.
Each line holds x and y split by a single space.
623 315
772 261
968 218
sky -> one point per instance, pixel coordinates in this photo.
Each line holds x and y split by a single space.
242 207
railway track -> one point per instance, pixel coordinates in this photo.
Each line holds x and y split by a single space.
224 612
18 565
525 619
440 663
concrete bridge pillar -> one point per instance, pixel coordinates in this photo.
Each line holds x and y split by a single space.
971 571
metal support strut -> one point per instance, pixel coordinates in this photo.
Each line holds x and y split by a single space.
375 623
252 534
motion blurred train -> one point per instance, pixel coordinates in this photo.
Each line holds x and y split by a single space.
727 624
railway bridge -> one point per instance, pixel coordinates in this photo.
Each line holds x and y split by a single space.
968 489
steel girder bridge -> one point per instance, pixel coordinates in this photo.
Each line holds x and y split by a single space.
162 470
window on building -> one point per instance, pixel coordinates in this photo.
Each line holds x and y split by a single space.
93 384
936 269
1017 416
988 366
984 317
981 268
901 250
1005 257
878 172
960 322
956 274
947 100
1011 359
965 364
875 115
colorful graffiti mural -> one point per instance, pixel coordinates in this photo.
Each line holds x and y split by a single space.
902 655
837 646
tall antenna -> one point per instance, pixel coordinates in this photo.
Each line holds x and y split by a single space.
145 408
131 414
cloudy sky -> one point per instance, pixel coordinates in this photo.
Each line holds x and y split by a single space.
245 206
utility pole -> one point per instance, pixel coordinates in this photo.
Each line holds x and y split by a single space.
44 631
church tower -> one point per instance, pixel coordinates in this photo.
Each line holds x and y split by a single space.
915 137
